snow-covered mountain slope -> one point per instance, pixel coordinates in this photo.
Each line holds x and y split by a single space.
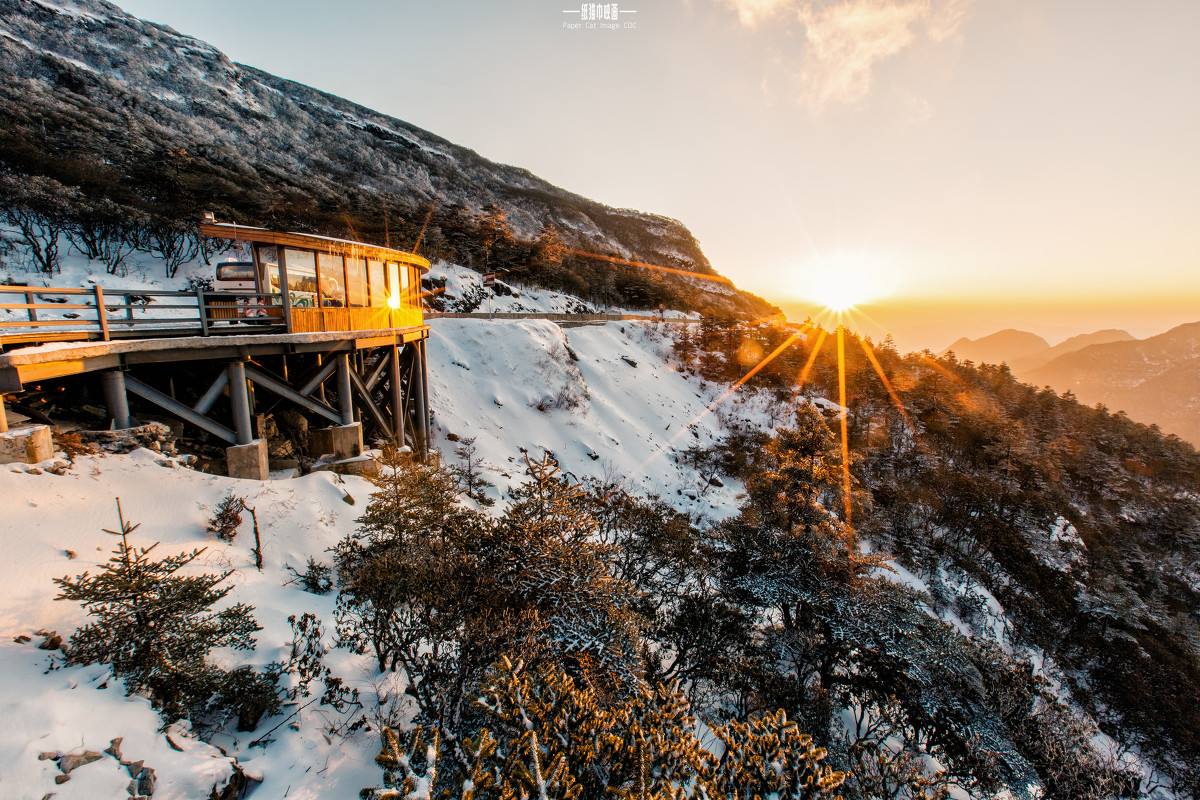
462 290
604 399
607 400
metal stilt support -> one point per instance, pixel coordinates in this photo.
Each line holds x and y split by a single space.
420 400
345 392
239 398
116 398
397 397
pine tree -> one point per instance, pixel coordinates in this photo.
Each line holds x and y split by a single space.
467 472
401 558
495 234
549 248
156 626
549 559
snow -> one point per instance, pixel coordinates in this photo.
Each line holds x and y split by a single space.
505 370
71 9
65 709
465 292
514 383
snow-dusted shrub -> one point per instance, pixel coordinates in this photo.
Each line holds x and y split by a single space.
441 591
174 244
106 233
247 695
316 578
547 734
227 518
559 367
39 209
468 472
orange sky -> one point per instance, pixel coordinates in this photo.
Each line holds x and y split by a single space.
936 322
1030 163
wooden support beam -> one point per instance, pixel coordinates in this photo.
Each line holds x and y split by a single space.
421 395
368 403
377 373
173 406
323 360
397 397
409 383
320 376
280 388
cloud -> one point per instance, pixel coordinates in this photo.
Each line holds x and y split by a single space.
845 39
945 19
752 12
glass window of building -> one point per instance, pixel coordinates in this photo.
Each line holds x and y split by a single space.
268 262
356 281
395 298
413 283
378 281
331 279
301 277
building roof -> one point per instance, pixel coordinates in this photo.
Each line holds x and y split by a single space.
310 241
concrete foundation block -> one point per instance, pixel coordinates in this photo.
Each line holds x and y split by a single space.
340 441
248 460
29 445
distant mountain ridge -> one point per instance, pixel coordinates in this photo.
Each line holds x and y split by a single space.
1024 351
1154 380
133 112
1000 347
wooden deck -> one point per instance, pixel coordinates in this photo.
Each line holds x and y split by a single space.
23 366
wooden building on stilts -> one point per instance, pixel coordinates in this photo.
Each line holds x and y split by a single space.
331 328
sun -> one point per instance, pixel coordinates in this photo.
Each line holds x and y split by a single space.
840 296
842 281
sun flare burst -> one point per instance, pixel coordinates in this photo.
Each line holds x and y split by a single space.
841 282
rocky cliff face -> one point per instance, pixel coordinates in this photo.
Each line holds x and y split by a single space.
138 113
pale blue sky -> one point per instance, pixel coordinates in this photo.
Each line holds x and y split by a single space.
994 153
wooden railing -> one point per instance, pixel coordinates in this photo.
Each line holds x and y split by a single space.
68 314
56 314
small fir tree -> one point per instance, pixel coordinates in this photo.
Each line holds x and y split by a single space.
468 473
156 626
